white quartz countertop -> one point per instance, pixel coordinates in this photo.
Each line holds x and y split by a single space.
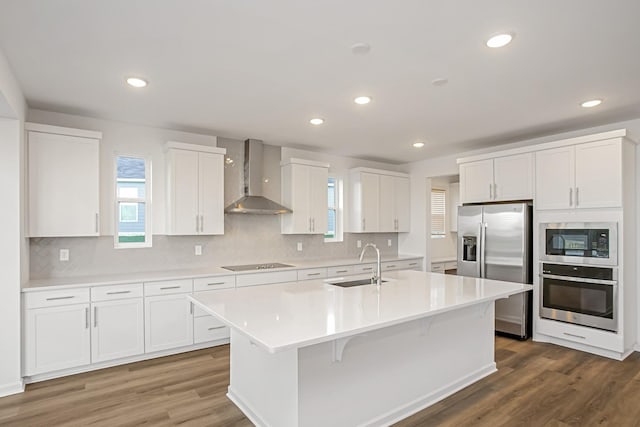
123 278
292 315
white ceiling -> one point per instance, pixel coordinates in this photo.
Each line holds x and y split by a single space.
262 69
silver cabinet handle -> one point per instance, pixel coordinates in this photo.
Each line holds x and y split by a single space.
341 271
217 327
118 292
86 318
215 283
570 196
367 269
190 308
577 196
490 195
202 223
57 298
309 223
575 336
313 224
97 222
312 274
95 316
391 266
169 287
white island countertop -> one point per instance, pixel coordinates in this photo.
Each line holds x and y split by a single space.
293 315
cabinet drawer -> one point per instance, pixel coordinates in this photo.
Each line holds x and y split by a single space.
214 282
168 287
343 270
208 328
413 264
107 293
197 311
312 273
451 265
55 298
437 267
364 268
266 278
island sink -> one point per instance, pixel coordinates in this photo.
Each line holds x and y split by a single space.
351 283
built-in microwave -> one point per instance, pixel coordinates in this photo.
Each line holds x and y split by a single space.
592 243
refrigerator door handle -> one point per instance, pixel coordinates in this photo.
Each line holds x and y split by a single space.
483 241
480 250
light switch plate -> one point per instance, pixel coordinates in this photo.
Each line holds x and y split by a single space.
359 243
64 254
389 242
198 249
300 246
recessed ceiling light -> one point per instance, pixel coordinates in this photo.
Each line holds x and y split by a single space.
418 144
360 48
500 40
316 121
591 103
136 82
362 100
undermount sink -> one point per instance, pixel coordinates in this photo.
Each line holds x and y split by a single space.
350 283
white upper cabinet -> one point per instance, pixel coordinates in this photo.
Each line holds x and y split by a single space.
581 176
195 189
64 181
304 190
500 179
380 201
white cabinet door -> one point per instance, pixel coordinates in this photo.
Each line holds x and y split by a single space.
513 177
64 190
318 199
117 329
56 338
211 193
476 181
168 322
598 174
402 204
555 174
387 211
370 202
183 193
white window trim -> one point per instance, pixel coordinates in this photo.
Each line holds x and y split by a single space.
146 200
339 236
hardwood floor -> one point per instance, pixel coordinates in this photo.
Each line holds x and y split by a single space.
536 385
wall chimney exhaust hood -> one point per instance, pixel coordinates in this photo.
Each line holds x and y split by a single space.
253 202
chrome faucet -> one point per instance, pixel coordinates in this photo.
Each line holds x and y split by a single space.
378 275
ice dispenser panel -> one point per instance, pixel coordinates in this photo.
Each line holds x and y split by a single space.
469 248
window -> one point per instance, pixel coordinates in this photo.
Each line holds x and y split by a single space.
438 211
334 202
133 202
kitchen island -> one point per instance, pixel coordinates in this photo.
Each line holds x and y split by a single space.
316 354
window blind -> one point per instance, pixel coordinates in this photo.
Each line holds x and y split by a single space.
438 210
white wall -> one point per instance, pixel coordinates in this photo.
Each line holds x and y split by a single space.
13 246
125 138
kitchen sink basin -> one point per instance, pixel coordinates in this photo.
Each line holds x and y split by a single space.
350 283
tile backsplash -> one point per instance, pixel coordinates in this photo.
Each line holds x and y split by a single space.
247 239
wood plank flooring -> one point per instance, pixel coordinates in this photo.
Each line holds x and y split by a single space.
536 385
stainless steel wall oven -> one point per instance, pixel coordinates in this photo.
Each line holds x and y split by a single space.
578 294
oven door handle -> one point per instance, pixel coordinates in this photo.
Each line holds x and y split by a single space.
580 279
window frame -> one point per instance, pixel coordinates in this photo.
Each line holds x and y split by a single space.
438 235
146 200
339 208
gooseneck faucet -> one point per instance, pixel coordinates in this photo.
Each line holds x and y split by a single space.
378 275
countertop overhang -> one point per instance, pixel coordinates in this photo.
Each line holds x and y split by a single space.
293 315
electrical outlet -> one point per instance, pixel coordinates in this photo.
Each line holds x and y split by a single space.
359 243
198 249
299 246
64 254
389 242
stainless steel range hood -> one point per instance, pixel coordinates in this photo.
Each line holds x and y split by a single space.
253 202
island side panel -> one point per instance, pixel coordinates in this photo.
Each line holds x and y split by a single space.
263 385
391 373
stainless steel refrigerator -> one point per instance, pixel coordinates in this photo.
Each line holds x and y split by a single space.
495 242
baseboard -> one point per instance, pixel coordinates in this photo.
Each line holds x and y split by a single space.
9 389
423 402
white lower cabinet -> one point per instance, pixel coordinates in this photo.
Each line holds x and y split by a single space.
208 328
168 322
117 329
56 338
